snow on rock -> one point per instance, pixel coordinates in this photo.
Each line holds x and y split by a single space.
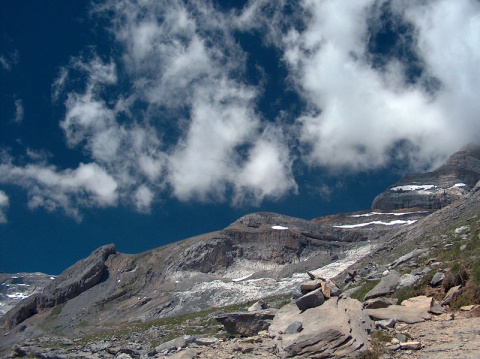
280 228
413 187
385 213
391 223
241 278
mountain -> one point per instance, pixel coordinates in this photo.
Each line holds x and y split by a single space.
436 189
261 255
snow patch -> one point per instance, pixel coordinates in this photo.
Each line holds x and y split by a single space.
17 296
241 278
413 187
458 185
391 223
385 213
280 228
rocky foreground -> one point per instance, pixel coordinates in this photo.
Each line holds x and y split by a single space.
390 282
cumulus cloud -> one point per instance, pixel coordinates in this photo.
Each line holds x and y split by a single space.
88 185
360 113
173 110
4 202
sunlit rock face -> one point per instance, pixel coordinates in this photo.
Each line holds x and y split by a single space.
436 189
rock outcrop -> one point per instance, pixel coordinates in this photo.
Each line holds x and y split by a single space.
437 189
78 278
336 329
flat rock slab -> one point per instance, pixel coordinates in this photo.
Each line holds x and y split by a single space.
421 302
400 313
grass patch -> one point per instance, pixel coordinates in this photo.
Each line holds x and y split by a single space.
366 287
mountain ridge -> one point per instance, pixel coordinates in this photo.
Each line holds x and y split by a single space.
258 255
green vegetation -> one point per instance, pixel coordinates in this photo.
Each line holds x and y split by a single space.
366 287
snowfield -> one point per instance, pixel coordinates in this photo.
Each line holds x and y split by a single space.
391 223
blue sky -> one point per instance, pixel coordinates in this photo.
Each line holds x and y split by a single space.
146 122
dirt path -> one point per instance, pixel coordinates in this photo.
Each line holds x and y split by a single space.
444 338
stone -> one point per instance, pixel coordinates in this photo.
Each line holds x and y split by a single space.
410 346
260 305
413 254
437 309
174 344
310 286
452 292
294 328
385 324
437 279
380 302
420 302
402 338
408 280
386 286
335 291
246 323
207 341
310 300
467 308
336 329
400 313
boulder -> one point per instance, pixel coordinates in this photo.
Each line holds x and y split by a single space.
310 300
246 323
452 292
420 302
386 286
338 328
311 285
400 313
437 279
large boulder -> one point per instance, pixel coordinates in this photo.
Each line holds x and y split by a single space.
386 286
336 329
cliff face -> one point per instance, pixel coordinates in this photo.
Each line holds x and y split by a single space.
437 189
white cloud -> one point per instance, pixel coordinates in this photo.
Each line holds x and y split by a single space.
88 185
19 111
143 199
177 114
360 113
4 203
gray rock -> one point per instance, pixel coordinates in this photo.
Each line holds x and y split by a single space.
413 254
385 324
452 292
400 313
437 309
246 323
402 338
310 300
408 280
336 329
380 302
260 305
437 279
386 286
294 328
174 344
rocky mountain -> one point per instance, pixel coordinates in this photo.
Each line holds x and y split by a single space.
436 189
259 256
